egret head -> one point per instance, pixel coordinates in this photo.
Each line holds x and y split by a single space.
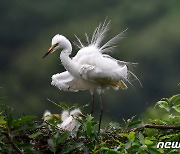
47 115
76 112
64 115
58 42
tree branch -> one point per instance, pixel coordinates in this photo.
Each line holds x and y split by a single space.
155 127
8 136
52 125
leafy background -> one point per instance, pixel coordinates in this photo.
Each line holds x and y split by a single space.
152 40
31 136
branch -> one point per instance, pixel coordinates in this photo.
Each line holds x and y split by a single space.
163 127
11 142
57 128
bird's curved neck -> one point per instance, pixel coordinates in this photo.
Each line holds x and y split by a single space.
70 65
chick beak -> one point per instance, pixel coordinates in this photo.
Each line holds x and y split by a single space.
82 115
50 50
57 116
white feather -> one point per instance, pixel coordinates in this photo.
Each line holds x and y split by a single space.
110 44
99 34
75 112
90 69
47 115
69 120
64 115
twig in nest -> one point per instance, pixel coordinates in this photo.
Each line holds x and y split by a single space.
155 127
57 128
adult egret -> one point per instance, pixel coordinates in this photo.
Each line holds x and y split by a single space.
91 69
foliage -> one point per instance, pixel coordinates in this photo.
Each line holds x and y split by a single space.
26 135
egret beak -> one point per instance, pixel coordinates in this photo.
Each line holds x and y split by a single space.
82 115
51 49
57 116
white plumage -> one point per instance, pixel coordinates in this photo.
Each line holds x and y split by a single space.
91 68
47 115
69 122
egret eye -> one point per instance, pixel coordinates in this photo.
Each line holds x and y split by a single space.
55 45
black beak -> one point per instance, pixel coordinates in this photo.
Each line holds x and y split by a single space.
46 54
51 49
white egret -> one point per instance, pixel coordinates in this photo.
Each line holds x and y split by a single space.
47 115
91 69
69 122
68 119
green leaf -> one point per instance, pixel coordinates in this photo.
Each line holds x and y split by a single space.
176 108
128 145
123 134
64 106
75 105
35 135
131 135
143 148
174 119
22 120
148 142
2 121
141 138
54 103
157 121
166 137
57 139
62 138
175 99
3 98
70 147
135 123
153 150
5 107
9 119
163 105
89 125
104 148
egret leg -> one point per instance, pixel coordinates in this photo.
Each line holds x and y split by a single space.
92 104
101 113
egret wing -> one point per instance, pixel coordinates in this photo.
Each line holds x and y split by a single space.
103 76
66 82
63 81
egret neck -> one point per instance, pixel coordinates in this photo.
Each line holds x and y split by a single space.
71 66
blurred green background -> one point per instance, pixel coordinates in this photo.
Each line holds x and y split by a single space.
152 40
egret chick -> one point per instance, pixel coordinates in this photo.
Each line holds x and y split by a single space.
47 115
69 122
